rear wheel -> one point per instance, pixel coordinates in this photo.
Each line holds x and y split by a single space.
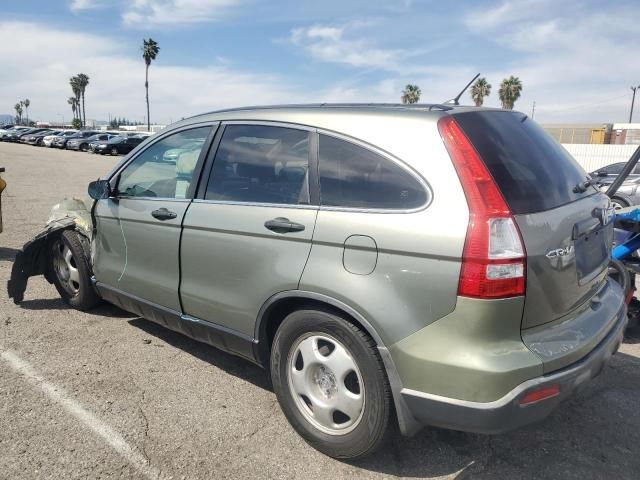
71 272
114 151
84 147
331 384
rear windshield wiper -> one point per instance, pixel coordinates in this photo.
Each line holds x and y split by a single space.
583 186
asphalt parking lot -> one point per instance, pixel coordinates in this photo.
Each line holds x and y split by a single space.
108 395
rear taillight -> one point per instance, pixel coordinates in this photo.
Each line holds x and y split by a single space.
494 258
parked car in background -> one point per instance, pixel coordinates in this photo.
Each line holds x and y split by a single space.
628 193
23 138
426 265
39 137
16 134
606 175
173 154
49 139
61 141
32 138
119 145
12 132
6 126
83 144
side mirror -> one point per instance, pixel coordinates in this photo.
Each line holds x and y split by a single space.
99 189
602 173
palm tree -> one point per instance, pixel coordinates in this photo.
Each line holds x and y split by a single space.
75 87
410 94
18 108
26 102
150 51
74 105
479 90
83 82
509 92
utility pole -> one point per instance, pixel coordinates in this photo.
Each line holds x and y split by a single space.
533 110
633 99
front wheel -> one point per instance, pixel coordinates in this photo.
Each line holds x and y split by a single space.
114 151
71 271
331 384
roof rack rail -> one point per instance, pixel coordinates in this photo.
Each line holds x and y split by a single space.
414 106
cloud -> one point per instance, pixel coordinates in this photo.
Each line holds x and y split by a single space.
491 17
146 13
117 79
79 5
574 60
337 44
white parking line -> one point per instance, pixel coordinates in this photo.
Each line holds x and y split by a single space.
75 409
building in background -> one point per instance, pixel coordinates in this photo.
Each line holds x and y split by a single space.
595 133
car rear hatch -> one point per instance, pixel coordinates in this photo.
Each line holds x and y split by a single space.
566 226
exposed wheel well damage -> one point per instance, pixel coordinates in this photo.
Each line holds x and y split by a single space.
34 257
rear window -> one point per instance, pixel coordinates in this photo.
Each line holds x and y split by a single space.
533 171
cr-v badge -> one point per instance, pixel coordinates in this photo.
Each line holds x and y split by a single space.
560 252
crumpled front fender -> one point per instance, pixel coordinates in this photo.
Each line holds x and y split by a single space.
33 258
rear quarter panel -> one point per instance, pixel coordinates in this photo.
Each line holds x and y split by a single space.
415 278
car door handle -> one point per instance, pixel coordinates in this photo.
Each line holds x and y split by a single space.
163 214
283 225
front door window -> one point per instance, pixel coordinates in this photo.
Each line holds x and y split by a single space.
165 169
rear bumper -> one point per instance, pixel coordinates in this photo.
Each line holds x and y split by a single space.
506 413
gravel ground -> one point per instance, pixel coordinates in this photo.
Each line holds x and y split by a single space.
108 395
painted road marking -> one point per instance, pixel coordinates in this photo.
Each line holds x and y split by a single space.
84 416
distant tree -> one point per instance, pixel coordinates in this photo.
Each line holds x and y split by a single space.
150 51
76 123
83 82
480 89
18 109
74 105
75 88
26 102
411 94
510 90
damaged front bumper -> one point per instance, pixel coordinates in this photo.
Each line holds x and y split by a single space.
33 259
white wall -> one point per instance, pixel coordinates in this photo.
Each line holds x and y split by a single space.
591 157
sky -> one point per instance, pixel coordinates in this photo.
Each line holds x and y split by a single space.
576 59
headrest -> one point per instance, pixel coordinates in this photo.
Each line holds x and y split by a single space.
186 163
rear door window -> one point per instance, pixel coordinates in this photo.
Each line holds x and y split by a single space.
533 171
352 176
261 164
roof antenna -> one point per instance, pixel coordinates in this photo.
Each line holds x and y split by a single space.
454 101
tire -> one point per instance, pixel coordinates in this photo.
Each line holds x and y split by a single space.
70 271
114 151
84 147
361 389
619 203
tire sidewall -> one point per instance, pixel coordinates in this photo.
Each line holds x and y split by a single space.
86 297
373 423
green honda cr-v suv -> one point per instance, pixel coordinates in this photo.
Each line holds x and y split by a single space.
425 265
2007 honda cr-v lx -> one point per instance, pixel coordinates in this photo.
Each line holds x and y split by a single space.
426 265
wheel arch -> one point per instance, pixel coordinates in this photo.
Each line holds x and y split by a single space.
275 310
621 196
